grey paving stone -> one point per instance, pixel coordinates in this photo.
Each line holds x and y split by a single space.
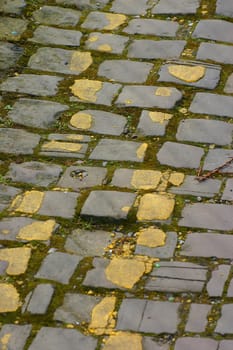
217 157
149 343
214 29
207 245
211 216
125 178
216 52
3 267
151 49
197 319
177 277
59 339
110 204
36 113
228 191
230 289
148 97
214 104
76 308
163 252
225 8
180 155
225 323
229 85
152 127
193 187
17 141
9 54
32 84
216 284
12 6
19 335
55 60
117 150
40 299
12 28
53 36
53 204
205 131
58 267
7 193
101 122
193 343
145 316
89 243
152 27
99 20
84 4
55 15
125 71
109 43
77 177
132 7
176 7
209 81
96 277
225 345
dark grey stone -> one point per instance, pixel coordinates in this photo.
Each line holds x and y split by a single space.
53 36
109 43
197 319
40 299
84 4
152 27
216 52
163 252
132 7
58 267
11 29
7 193
32 84
210 216
36 113
110 204
214 104
216 284
176 7
59 339
225 8
196 343
146 97
12 6
19 335
54 15
228 191
17 141
225 345
229 85
96 277
9 54
225 323
151 49
180 155
205 131
77 177
125 71
214 29
218 157
148 127
193 187
117 150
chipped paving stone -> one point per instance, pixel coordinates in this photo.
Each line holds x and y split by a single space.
216 284
224 324
9 54
214 29
7 193
154 207
9 301
40 299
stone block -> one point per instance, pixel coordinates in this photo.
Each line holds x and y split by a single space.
197 319
152 123
224 8
39 300
9 55
175 7
11 29
58 16
17 141
151 49
18 335
214 29
152 27
193 343
225 323
215 52
108 43
213 104
228 191
53 36
217 157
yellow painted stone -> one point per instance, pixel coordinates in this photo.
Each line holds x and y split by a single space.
125 209
5 232
9 300
145 179
17 258
176 178
125 272
105 48
159 117
59 146
164 181
102 315
128 102
86 89
187 73
115 20
93 38
123 341
38 230
155 207
75 137
163 91
80 61
4 341
141 150
29 202
151 237
81 120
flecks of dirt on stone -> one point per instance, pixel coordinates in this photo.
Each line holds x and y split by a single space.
163 91
141 150
86 89
9 301
155 207
176 178
186 73
17 258
145 179
102 319
29 202
81 120
124 340
151 237
38 230
61 146
159 117
80 61
115 20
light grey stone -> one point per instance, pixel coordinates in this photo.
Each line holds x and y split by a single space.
7 193
176 7
225 345
55 15
230 289
193 343
9 54
216 52
225 8
17 141
214 104
216 284
218 157
229 85
225 323
53 36
152 27
40 299
132 7
147 126
12 6
151 49
109 43
163 252
149 343
228 191
19 335
214 29
96 20
11 29
197 319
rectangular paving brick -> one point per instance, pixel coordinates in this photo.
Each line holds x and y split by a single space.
214 29
40 299
197 319
192 343
216 52
224 7
228 191
225 323
218 157
131 7
109 43
18 336
152 27
151 49
215 285
58 16
214 104
17 141
53 36
176 7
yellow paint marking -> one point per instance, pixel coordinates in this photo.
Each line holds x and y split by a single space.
93 38
17 258
155 207
163 91
159 117
61 146
5 341
105 48
80 61
29 202
123 341
102 316
151 237
125 209
9 300
141 150
81 120
186 73
176 178
86 90
145 179
38 230
115 20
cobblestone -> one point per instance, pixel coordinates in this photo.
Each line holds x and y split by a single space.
16 141
225 8
212 104
18 335
54 15
151 49
197 320
152 27
176 7
218 30
215 52
9 55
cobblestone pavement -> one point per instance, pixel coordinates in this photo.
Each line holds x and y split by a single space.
116 188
